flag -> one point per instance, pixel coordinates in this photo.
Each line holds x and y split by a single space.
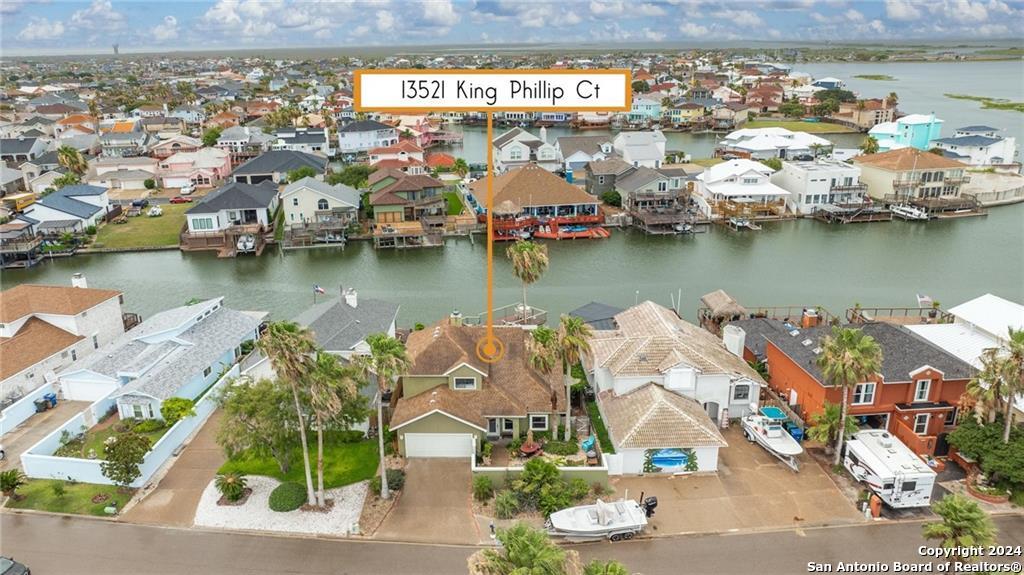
317 289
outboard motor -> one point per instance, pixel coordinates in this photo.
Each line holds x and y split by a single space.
648 505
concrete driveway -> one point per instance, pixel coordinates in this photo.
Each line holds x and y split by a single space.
35 428
435 505
176 497
752 490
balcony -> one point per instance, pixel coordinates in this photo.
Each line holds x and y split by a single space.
851 189
906 185
20 246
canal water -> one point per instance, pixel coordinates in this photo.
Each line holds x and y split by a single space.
802 262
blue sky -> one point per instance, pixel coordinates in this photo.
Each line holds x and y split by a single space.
54 26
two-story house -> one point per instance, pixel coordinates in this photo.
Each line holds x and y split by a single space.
404 156
739 188
365 135
174 144
517 148
645 109
450 401
244 143
308 140
125 144
14 151
310 201
763 143
409 198
928 180
914 130
70 209
577 151
979 146
201 168
914 396
641 148
818 183
234 204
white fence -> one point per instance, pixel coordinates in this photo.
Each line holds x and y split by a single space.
39 461
24 408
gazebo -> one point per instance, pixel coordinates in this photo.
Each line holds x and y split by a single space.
719 307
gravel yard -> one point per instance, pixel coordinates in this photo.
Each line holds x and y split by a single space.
255 514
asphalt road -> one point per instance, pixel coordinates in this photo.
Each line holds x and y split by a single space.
62 545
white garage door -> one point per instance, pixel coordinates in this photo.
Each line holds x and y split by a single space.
438 444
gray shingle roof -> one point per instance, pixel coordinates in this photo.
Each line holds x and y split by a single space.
589 145
970 140
237 196
364 126
16 145
340 192
597 315
63 200
281 161
638 178
339 327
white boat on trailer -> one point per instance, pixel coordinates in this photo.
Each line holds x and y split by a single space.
767 430
618 521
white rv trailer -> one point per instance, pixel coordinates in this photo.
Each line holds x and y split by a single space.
889 468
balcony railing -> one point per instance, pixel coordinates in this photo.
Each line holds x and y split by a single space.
20 246
850 189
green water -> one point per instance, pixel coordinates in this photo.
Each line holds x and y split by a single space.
801 262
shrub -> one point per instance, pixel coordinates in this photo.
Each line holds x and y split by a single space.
231 485
396 480
287 497
537 473
149 183
487 449
515 444
578 488
347 436
483 488
11 480
247 346
58 489
175 408
149 426
553 497
555 447
599 428
612 198
419 326
91 230
506 505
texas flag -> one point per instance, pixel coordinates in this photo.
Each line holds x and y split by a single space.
318 289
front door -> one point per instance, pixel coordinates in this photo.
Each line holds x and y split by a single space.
712 408
941 445
492 426
508 426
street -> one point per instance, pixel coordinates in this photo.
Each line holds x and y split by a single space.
63 545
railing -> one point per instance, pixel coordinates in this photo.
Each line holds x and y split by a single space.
511 315
20 246
794 313
130 320
900 315
852 188
957 180
906 184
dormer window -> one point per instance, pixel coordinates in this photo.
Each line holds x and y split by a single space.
921 388
465 383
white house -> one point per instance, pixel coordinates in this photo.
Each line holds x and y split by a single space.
121 173
663 384
763 143
813 184
979 146
71 208
341 325
175 353
577 151
233 203
308 140
365 135
517 148
738 181
641 148
46 328
310 200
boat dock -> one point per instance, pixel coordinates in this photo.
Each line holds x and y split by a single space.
840 214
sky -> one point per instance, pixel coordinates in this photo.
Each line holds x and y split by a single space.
80 26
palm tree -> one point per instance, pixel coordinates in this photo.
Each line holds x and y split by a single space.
529 262
542 349
1001 378
72 159
964 524
848 357
892 99
331 385
825 425
460 167
573 336
290 348
870 145
524 549
387 360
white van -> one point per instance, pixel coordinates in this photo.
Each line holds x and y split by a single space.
187 189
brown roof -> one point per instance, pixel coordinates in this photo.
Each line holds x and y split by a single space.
406 183
380 174
532 185
27 299
511 387
651 417
722 304
905 159
403 146
34 342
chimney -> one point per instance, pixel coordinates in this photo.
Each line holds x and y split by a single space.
455 318
351 297
734 339
78 281
544 134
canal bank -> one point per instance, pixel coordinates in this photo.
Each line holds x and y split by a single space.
799 262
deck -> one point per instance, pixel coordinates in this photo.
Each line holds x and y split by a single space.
402 235
898 315
852 214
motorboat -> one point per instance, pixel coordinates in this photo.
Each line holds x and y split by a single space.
155 212
767 429
909 213
246 243
617 521
683 228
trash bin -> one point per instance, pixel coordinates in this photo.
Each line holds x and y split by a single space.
41 405
52 398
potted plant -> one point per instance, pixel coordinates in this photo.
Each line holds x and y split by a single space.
934 312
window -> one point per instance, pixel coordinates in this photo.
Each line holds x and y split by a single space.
295 201
202 223
908 486
600 179
64 354
137 411
662 186
515 154
950 417
749 180
322 205
74 355
95 342
741 393
921 423
864 393
465 383
207 371
921 389
509 424
539 422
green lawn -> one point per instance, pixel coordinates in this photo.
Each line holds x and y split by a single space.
454 203
94 440
144 231
799 126
344 463
599 428
38 494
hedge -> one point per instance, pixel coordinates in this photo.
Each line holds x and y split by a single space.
287 497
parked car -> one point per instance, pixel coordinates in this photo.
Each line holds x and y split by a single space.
181 200
187 189
140 203
9 566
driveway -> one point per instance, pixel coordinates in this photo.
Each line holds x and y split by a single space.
435 506
35 428
752 490
176 497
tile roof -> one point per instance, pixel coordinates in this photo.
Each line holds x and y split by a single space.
34 342
651 417
337 326
905 159
532 185
27 299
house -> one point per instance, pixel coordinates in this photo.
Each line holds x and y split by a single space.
830 83
306 140
39 165
404 156
979 146
517 148
125 144
365 135
201 168
818 183
915 130
865 114
20 245
149 111
174 144
730 115
409 198
70 209
644 109
341 325
664 383
449 401
764 98
191 115
122 173
11 180
602 175
978 324
577 151
925 179
223 120
914 396
14 151
75 125
682 113
641 148
311 201
39 184
656 199
163 126
763 143
739 188
234 204
275 165
175 353
244 143
45 328
532 192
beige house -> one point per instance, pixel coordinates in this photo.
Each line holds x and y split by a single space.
924 179
450 401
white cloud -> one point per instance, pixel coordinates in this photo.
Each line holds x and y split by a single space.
744 18
648 9
819 17
774 33
693 30
901 10
385 21
605 8
11 6
100 15
440 12
853 15
166 30
322 34
876 26
653 35
41 29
